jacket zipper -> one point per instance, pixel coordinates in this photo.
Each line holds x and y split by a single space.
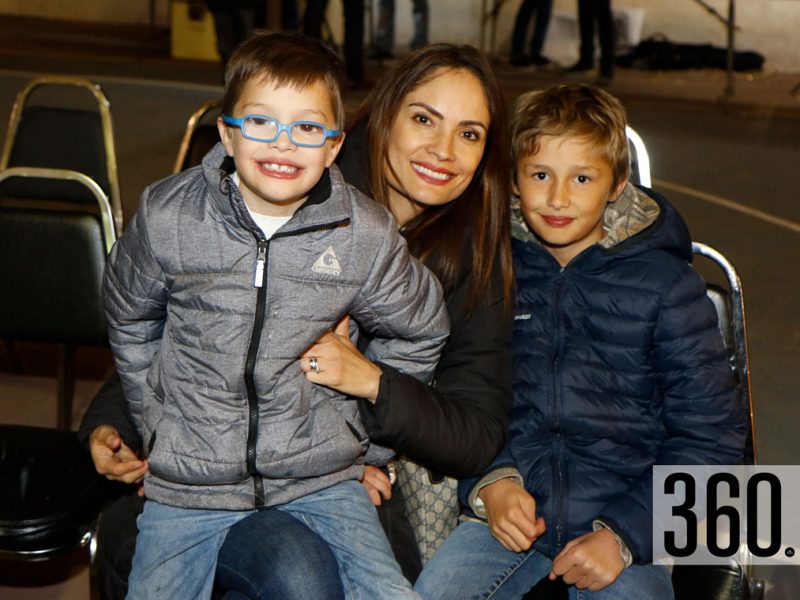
259 282
554 367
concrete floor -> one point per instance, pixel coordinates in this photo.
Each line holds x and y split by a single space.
733 175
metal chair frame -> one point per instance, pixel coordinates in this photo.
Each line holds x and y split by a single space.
104 110
107 208
195 120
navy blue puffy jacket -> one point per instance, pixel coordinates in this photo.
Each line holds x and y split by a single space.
618 365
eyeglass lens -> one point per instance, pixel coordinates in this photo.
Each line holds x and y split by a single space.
299 133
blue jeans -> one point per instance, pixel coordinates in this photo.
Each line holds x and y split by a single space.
270 554
176 549
472 565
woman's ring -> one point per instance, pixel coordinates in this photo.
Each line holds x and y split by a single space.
313 364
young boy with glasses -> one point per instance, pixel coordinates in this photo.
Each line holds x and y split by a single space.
228 272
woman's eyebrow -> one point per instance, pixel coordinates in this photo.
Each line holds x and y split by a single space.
429 108
439 115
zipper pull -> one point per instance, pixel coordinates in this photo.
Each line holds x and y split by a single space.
258 276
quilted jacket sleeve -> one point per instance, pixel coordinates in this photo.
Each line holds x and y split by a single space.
402 307
135 297
702 418
457 426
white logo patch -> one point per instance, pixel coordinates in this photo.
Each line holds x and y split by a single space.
327 263
522 317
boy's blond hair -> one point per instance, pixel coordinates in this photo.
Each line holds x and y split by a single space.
286 59
578 110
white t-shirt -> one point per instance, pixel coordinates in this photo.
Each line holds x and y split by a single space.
269 225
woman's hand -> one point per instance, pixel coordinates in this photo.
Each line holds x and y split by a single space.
113 458
377 484
511 512
340 365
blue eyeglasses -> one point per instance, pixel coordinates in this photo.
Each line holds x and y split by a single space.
308 134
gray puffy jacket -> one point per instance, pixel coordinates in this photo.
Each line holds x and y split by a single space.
207 320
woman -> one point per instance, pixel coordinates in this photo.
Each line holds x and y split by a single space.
430 144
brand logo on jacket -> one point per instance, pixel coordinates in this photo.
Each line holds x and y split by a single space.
522 317
327 263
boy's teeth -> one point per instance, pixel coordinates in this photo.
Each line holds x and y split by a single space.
279 168
430 173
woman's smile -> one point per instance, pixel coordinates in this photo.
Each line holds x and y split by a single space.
432 174
436 142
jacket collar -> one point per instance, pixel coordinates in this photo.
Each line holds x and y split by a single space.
633 212
327 201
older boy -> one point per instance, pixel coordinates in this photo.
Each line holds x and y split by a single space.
618 366
226 275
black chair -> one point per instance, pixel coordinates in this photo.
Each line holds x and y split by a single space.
726 582
59 216
57 224
200 136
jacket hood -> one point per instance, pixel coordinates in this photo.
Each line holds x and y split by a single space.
641 219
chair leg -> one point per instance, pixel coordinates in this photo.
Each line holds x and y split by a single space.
757 589
66 385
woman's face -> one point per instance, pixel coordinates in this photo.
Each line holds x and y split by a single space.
436 142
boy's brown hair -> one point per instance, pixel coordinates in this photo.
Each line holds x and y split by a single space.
285 59
578 110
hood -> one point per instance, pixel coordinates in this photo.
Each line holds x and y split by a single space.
641 219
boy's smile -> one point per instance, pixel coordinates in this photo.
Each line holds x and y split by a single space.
275 177
564 188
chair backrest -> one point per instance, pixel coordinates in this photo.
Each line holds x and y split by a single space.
52 270
640 160
200 136
729 303
54 137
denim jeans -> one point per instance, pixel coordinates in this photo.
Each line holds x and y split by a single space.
472 565
270 554
176 549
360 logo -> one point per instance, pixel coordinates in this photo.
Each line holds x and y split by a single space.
710 515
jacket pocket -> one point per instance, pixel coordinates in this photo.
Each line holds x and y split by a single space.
200 441
310 443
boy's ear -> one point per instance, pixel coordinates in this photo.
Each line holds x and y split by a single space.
225 135
333 150
514 185
617 191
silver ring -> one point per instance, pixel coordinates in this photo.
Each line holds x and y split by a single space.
312 362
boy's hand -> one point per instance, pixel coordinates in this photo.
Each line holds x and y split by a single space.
113 458
377 484
341 366
512 514
590 561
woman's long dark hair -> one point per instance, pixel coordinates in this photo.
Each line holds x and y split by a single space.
480 215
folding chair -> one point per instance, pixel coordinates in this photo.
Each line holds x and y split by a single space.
58 184
200 136
727 582
59 203
45 136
